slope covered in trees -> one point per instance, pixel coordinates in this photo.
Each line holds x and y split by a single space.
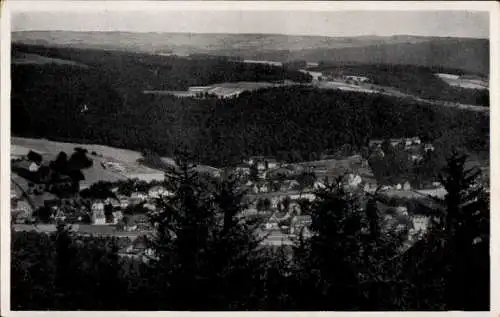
414 80
469 55
295 123
130 72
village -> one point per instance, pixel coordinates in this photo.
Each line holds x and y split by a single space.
279 193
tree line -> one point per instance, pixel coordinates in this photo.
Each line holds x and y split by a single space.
205 257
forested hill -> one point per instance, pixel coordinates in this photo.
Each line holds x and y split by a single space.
467 54
134 72
293 123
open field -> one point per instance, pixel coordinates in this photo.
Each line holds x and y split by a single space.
126 160
458 81
27 58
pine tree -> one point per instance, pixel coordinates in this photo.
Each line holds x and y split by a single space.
182 233
466 228
327 277
451 264
236 256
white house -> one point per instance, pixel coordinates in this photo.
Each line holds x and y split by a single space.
149 206
272 163
261 166
242 170
158 192
34 167
406 186
124 203
428 147
420 225
117 217
98 217
139 196
354 180
319 185
416 140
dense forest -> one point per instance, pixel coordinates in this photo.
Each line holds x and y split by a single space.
135 72
207 258
469 55
415 80
295 123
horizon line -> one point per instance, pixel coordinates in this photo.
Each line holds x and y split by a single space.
251 33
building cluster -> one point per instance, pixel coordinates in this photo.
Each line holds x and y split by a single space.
279 192
221 90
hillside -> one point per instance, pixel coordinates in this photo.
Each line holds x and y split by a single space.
128 71
471 55
197 43
103 103
290 123
418 81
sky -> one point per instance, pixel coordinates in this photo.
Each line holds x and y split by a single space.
336 23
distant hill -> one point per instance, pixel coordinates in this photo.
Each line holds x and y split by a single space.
471 55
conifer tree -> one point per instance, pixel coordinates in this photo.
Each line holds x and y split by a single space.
451 265
327 275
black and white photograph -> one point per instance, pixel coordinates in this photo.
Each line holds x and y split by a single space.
237 158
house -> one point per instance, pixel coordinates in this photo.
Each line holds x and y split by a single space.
225 93
271 163
281 172
300 224
416 141
149 206
138 196
115 203
263 188
59 215
319 185
407 185
156 192
420 224
21 211
140 248
124 201
35 157
375 143
208 170
255 188
33 167
416 157
293 184
13 193
261 166
428 147
354 180
97 210
117 217
242 170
